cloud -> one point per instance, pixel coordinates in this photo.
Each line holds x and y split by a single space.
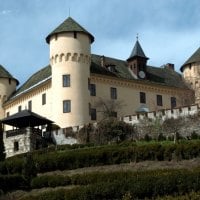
5 12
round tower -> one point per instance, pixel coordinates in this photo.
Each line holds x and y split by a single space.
7 86
70 58
191 73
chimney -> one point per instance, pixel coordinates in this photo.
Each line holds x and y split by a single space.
169 66
103 61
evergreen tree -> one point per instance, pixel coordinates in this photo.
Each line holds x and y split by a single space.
2 149
29 170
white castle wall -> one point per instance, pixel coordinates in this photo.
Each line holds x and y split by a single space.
164 114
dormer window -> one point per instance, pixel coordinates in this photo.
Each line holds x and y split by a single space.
111 68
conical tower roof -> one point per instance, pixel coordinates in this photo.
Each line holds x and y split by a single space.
137 51
194 58
5 74
69 25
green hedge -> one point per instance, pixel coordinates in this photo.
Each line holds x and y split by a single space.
113 185
105 155
189 196
12 182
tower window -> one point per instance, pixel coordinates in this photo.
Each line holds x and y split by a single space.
66 106
44 99
113 93
9 80
66 80
159 100
142 97
92 89
75 34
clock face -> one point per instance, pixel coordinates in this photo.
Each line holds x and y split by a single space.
141 74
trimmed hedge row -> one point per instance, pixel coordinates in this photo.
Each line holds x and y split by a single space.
146 184
190 196
105 155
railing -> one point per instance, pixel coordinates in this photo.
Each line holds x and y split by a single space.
22 131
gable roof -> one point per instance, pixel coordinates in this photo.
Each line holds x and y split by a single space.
69 25
192 59
36 79
137 51
5 74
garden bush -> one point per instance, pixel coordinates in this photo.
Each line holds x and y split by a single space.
140 185
103 155
12 182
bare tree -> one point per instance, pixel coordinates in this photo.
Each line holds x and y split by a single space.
108 108
173 126
152 127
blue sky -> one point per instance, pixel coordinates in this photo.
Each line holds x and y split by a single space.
169 30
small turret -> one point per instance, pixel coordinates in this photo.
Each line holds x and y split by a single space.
8 85
137 61
191 73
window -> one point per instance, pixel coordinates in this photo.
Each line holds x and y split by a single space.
173 102
19 108
93 114
9 80
66 80
66 106
159 100
44 99
92 89
113 93
16 146
30 105
142 97
7 114
75 34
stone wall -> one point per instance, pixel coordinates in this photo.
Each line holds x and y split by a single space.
20 141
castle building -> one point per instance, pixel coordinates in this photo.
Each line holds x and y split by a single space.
69 89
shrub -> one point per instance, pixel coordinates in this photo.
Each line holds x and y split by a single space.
12 182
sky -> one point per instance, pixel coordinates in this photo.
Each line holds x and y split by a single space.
168 30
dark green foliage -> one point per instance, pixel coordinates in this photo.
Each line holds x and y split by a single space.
50 181
104 155
28 169
2 149
147 138
12 182
114 130
194 136
114 185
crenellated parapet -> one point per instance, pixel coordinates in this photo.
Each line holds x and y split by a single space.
74 57
162 114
